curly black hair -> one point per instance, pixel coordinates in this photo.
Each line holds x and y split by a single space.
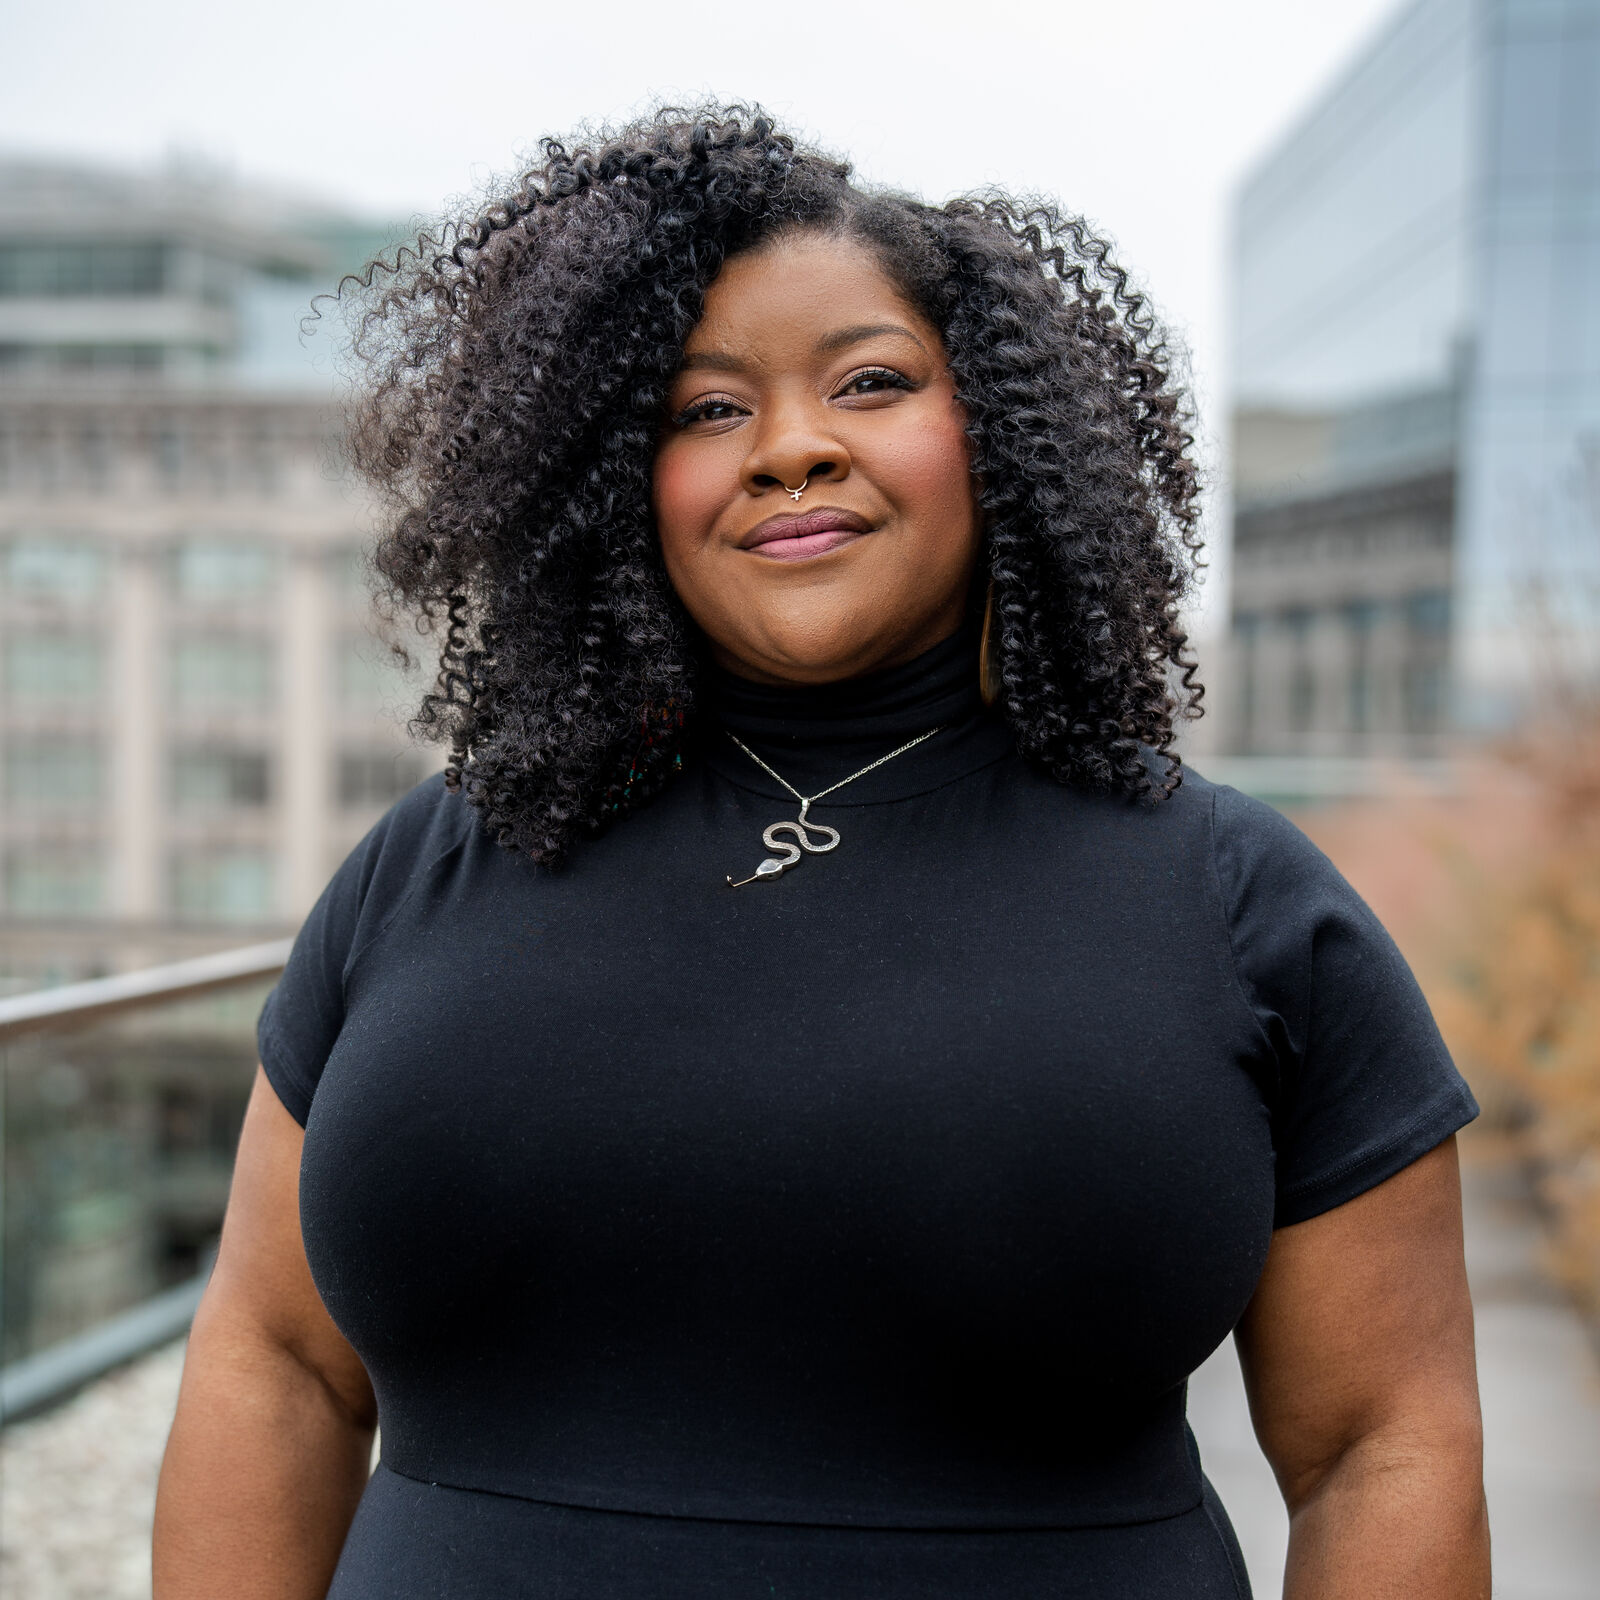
518 363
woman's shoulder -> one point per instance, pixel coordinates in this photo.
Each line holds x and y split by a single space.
1261 872
1215 802
431 814
1202 812
426 824
305 1011
1254 844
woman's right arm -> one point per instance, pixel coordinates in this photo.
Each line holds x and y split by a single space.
272 1440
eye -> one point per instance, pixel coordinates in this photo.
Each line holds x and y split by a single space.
709 408
874 380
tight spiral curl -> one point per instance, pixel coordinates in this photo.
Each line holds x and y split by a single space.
519 364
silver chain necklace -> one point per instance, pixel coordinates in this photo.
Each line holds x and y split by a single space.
775 866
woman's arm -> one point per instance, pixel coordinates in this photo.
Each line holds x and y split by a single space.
1358 1358
273 1434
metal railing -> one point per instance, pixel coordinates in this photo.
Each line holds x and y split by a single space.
73 1004
82 1021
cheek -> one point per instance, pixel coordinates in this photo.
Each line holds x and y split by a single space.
925 468
689 491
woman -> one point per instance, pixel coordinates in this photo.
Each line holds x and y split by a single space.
786 1112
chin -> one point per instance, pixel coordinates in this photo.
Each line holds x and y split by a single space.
824 652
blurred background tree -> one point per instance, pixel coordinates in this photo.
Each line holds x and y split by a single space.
1494 893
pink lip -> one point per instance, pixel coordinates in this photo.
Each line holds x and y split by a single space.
794 536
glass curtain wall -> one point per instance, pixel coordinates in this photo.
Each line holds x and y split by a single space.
1353 317
1528 623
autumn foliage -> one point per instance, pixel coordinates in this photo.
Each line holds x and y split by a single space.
1493 891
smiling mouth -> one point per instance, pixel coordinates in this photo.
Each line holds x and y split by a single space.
799 535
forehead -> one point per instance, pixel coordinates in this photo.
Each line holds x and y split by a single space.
796 289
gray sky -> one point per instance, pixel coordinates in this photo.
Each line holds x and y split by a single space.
1140 115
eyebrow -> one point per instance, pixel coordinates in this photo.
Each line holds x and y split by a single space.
828 344
843 338
711 361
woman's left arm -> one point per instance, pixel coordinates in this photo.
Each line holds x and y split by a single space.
1358 1358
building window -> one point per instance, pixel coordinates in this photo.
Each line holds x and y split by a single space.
1428 611
215 277
1360 617
48 360
109 267
1424 696
1246 631
168 445
42 668
213 570
1297 623
1247 698
222 886
53 772
1302 697
63 569
96 358
94 459
258 464
1360 692
207 463
370 679
222 671
203 777
54 883
378 777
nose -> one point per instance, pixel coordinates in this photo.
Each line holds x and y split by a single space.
796 447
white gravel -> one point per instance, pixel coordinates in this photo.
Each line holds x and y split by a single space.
78 1487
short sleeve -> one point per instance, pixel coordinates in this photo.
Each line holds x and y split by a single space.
1363 1082
304 1013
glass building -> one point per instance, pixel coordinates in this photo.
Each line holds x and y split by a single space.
1416 390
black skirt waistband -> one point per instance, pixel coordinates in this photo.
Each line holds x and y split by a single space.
412 1540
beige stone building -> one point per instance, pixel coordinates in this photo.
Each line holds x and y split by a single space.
197 720
1342 582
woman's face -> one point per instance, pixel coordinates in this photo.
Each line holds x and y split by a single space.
808 367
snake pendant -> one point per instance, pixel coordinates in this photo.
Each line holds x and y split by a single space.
776 865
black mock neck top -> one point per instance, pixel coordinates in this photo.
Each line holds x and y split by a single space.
851 1234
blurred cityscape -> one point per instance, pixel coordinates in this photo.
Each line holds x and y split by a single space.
193 731
198 720
1416 386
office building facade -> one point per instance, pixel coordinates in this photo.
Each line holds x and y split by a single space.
197 720
1416 391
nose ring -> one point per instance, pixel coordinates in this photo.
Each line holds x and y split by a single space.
794 494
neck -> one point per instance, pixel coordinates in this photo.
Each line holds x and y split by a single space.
817 734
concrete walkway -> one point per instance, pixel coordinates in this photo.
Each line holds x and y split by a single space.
77 1485
1541 1413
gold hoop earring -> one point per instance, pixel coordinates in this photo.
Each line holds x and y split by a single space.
989 653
